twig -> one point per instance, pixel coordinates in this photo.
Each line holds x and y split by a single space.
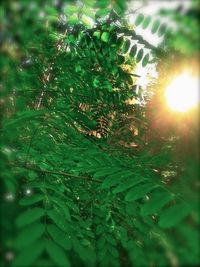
36 169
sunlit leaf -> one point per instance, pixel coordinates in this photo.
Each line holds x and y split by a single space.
71 9
102 12
162 29
73 19
146 22
133 50
155 26
97 34
145 60
126 46
105 37
139 55
139 19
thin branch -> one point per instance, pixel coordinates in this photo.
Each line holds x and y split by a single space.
135 11
36 169
40 100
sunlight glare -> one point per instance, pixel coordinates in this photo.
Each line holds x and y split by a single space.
182 93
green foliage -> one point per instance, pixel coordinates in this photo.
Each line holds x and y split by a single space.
185 37
156 25
25 239
29 216
173 215
158 199
83 199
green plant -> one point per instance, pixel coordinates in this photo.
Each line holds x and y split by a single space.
83 200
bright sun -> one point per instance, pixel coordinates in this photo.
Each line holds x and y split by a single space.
182 94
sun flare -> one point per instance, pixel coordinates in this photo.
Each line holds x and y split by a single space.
182 94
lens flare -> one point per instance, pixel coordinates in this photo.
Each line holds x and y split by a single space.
183 93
